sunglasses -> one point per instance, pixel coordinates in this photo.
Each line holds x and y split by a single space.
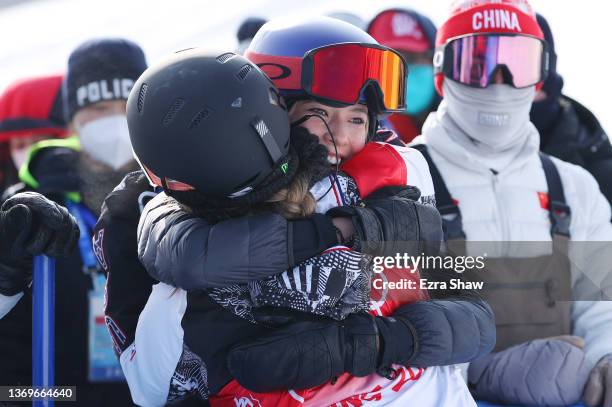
472 60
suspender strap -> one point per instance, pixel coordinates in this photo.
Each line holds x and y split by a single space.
559 212
451 215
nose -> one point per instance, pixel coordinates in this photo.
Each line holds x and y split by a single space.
340 133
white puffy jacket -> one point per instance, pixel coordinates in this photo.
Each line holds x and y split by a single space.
505 205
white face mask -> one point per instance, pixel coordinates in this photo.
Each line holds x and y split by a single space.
107 140
492 116
19 156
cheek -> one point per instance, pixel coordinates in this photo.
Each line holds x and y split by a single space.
357 146
358 142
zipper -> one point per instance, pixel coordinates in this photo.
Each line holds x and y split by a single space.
500 211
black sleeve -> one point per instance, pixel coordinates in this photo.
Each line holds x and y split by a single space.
454 326
310 237
600 166
186 251
594 146
128 284
447 332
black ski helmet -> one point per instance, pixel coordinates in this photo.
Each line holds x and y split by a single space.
210 124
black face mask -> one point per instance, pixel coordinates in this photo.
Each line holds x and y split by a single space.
544 114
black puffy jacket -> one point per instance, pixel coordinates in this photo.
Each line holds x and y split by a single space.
577 137
270 247
455 326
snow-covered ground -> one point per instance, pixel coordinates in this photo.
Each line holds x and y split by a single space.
37 36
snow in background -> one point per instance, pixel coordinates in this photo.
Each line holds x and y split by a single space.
36 36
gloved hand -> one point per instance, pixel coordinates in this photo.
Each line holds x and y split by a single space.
545 372
388 225
441 332
306 354
598 389
31 224
311 353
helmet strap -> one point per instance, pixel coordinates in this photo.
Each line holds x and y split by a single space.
303 119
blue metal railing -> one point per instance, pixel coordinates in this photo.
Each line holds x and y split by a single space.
43 326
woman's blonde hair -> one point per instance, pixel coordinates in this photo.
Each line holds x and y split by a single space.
295 201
